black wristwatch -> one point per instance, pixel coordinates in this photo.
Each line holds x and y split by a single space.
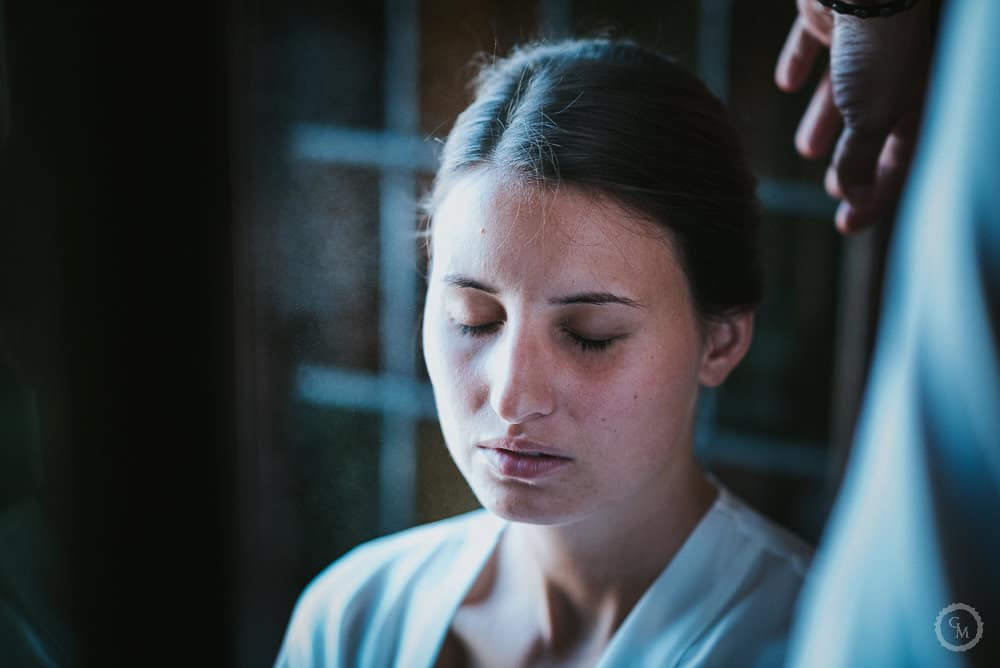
881 10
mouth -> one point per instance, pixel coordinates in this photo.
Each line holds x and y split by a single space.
523 446
523 460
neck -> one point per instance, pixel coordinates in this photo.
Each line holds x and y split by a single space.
594 571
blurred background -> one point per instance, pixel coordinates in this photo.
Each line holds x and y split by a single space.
210 377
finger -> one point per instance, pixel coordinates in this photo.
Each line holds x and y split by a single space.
796 58
893 167
895 158
849 220
854 165
818 20
820 123
831 184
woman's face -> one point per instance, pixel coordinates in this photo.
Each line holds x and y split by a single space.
563 348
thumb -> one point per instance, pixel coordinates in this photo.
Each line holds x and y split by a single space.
854 165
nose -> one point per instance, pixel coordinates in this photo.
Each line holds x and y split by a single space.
520 376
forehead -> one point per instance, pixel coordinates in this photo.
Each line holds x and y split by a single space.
502 230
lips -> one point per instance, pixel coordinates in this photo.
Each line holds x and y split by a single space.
523 459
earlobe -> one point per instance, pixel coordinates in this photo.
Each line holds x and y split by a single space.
726 342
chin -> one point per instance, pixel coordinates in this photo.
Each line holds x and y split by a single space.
523 503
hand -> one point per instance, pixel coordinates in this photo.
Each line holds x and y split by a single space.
868 102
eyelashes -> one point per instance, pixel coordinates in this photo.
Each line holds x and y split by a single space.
584 343
589 345
478 330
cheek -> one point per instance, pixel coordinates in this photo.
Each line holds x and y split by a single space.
451 365
648 396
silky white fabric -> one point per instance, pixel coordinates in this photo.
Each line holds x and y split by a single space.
725 599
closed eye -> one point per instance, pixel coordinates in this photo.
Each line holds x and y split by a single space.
590 345
586 344
478 330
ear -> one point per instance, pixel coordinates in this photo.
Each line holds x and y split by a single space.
726 342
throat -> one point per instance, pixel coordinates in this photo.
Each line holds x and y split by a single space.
567 627
564 613
542 622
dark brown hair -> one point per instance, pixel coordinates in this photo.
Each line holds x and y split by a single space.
628 123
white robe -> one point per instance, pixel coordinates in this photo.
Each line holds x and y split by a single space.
726 598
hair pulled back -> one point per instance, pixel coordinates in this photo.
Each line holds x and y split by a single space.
628 123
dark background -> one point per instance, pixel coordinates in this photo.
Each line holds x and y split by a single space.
117 288
175 259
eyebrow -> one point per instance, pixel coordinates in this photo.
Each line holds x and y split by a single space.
597 299
593 298
460 281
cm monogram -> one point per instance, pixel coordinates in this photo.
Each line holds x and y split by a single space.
958 632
